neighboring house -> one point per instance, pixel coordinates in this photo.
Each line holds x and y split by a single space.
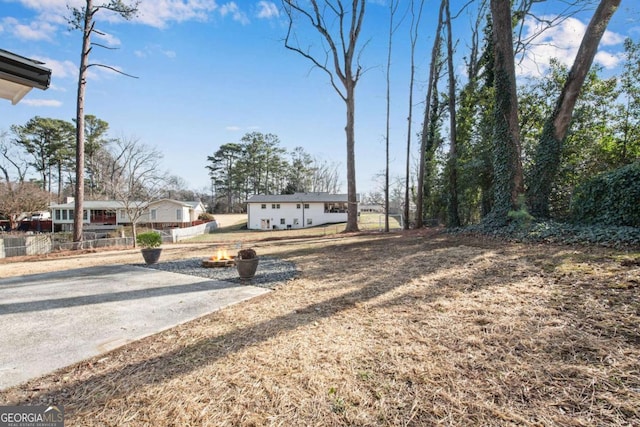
108 214
173 213
299 210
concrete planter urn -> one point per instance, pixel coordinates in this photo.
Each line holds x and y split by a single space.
247 263
151 255
150 246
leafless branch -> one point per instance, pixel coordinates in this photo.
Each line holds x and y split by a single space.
112 69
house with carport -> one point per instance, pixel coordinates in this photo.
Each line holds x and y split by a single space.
110 214
298 210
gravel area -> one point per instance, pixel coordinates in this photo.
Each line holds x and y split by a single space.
271 271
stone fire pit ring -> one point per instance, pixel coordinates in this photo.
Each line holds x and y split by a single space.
219 263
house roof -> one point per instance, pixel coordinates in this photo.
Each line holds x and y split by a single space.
298 197
18 75
193 204
91 204
114 204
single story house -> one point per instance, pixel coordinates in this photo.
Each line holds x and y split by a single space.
109 214
298 210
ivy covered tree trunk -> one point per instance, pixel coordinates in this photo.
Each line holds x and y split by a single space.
548 154
428 119
453 217
508 185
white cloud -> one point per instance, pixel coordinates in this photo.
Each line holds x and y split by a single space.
234 11
160 12
267 10
561 42
232 128
60 69
609 60
154 49
107 39
36 30
41 102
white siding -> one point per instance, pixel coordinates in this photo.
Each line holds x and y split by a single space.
258 217
167 211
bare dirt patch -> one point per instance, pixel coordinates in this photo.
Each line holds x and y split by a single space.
401 329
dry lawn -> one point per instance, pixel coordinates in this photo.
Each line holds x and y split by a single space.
414 329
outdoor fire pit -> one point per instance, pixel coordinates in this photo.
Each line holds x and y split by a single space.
219 260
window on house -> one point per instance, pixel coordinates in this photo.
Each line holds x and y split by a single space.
309 221
295 221
282 221
64 214
298 206
306 205
263 206
179 214
58 214
154 214
85 215
273 205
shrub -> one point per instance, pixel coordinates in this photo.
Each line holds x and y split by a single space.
149 239
206 217
609 199
247 254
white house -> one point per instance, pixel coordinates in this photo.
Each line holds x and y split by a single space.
299 210
108 214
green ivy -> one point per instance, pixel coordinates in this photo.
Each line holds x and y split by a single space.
612 198
561 233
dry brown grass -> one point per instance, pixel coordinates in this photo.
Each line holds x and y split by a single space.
405 329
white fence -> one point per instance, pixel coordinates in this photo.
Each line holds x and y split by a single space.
41 244
179 234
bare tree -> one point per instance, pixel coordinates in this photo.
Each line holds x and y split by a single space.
19 197
325 177
136 179
393 7
13 166
413 35
340 43
16 195
83 19
548 153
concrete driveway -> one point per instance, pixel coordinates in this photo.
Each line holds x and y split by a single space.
49 321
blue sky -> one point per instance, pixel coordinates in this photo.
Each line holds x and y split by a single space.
210 71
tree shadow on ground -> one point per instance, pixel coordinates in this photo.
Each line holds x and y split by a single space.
356 267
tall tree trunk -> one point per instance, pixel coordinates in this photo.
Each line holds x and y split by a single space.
413 33
341 48
454 216
352 213
388 116
426 124
549 151
82 81
506 136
